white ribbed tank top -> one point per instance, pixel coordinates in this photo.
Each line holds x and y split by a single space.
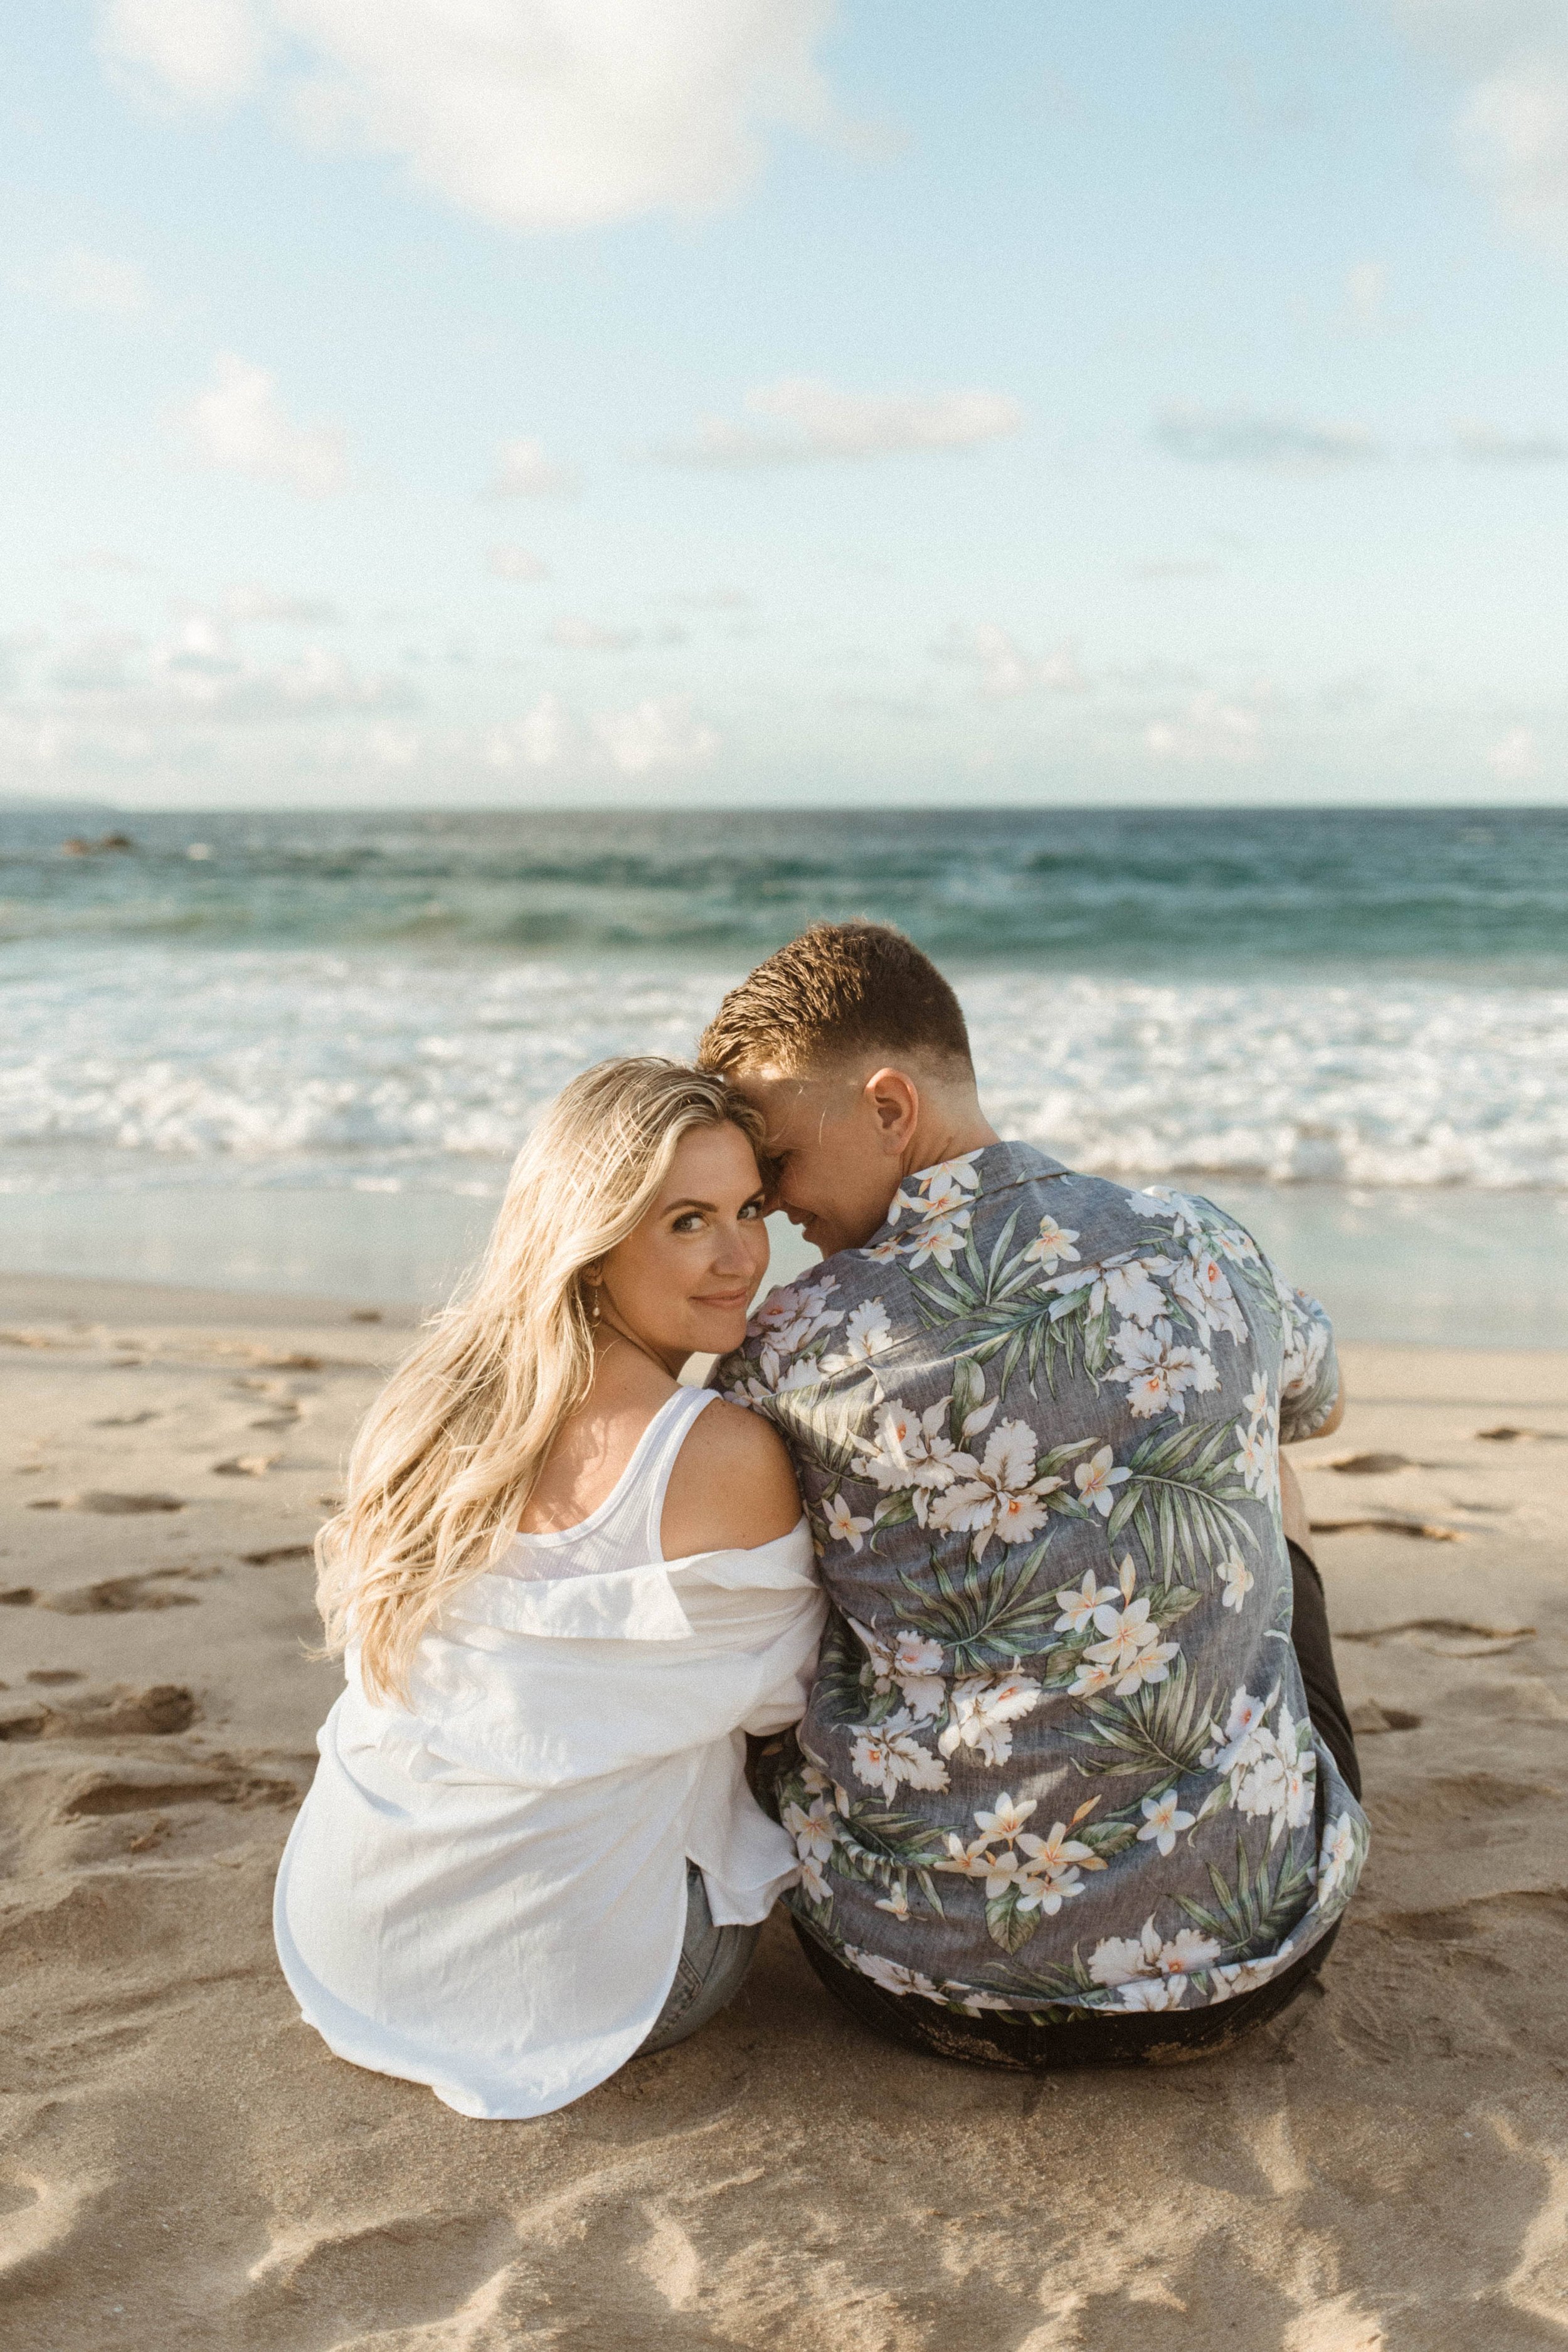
624 1532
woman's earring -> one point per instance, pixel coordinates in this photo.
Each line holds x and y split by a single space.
593 1299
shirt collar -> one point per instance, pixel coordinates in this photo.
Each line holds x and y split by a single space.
952 1186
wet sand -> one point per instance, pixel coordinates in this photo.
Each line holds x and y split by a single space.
185 2166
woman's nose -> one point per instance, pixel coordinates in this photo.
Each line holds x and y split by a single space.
737 1249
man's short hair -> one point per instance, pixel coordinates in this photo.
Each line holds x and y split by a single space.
839 991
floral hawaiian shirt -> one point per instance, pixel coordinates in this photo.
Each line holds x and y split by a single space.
1057 1755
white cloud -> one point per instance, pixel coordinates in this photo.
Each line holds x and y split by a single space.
544 737
205 52
1484 444
654 734
1515 756
77 279
1005 669
576 635
532 114
257 604
240 424
1213 436
509 562
1210 729
1511 125
827 422
657 733
522 470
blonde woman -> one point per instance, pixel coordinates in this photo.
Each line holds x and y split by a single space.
566 1586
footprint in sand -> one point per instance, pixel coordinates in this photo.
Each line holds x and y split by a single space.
1509 1436
108 1505
131 1786
118 1713
1388 1523
279 1555
1370 1719
246 1466
125 1419
1448 1637
53 1676
114 1596
1367 1465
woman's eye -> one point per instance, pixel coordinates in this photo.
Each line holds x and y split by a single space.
689 1223
751 1211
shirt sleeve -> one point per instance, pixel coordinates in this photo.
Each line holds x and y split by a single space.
1310 1370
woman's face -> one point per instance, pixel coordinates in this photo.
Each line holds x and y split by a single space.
683 1282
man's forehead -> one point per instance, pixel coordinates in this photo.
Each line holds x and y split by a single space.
788 1097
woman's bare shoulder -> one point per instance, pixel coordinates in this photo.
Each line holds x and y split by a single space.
732 1485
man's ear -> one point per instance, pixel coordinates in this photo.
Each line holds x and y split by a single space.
894 1102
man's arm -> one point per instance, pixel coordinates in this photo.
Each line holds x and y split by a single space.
1325 1428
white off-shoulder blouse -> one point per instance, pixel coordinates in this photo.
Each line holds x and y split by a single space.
486 1890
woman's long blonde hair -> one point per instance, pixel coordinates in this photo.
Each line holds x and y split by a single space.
447 1457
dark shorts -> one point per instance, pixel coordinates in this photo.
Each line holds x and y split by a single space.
1092 2037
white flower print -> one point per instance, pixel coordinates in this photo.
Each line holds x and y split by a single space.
1130 1648
1335 1856
890 1975
1151 1992
913 1663
1117 1960
811 1828
1047 1872
1245 1976
1239 1744
1079 1603
938 1240
1053 1243
888 1759
911 1455
842 1525
981 1708
1098 1479
1257 1444
883 1253
1202 1284
1162 1820
898 1903
1006 1816
1129 1290
788 1319
1157 1372
1129 1960
1052 1869
1236 1579
866 1334
1090 1680
973 1860
1199 1221
1000 1494
942 1188
1273 1773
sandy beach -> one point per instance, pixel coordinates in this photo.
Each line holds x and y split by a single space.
186 2166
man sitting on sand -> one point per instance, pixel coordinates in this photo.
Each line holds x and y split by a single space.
1075 1750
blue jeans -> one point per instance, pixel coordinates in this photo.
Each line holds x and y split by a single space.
713 1962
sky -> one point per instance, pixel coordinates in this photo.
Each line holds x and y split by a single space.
754 402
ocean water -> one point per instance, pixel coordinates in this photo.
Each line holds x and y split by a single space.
294 1050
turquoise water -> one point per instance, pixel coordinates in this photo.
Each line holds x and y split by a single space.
298 1051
